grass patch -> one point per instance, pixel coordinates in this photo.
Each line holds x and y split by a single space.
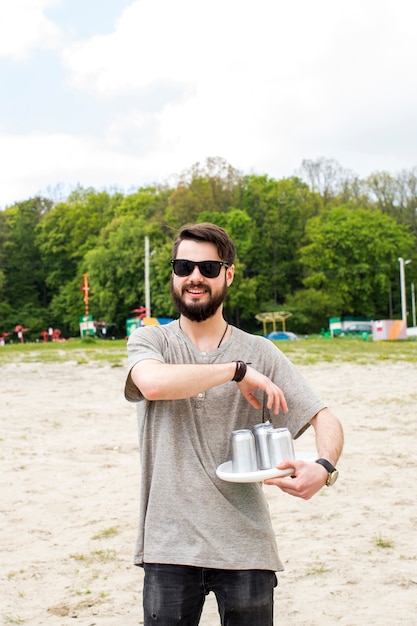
317 570
108 532
314 349
104 555
77 350
13 619
12 574
381 542
78 557
101 556
348 350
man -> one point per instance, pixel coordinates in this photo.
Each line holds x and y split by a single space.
196 380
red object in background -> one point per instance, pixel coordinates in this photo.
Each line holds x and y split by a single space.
141 311
56 333
20 330
85 288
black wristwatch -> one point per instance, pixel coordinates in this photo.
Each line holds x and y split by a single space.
333 473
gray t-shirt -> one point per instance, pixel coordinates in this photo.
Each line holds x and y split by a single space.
188 515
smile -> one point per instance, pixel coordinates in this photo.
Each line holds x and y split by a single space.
195 291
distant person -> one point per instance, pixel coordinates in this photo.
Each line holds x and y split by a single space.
56 334
195 380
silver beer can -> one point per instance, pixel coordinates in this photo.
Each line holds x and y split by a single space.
261 443
280 446
243 451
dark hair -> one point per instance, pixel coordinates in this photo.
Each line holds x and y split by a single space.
211 233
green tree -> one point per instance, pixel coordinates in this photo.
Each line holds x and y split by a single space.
67 232
150 203
70 229
279 211
6 311
326 177
351 255
213 188
23 273
116 268
3 238
241 303
67 305
386 195
395 195
160 277
311 309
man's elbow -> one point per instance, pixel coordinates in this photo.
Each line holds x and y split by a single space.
148 387
148 383
151 392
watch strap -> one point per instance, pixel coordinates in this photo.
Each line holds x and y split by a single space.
326 464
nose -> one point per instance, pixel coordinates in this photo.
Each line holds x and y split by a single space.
195 274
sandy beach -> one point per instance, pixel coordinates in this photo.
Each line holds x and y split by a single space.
69 497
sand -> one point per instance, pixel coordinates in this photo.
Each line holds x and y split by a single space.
69 496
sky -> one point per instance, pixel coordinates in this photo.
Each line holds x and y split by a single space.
121 94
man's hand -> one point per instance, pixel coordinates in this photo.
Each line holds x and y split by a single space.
308 478
254 380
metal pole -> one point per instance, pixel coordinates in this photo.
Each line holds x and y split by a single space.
402 288
413 305
390 303
402 291
147 287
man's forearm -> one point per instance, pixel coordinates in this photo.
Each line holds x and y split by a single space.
166 381
329 435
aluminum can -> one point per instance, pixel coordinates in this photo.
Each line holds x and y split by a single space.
280 446
243 451
261 444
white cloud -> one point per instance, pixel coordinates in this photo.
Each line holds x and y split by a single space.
24 27
275 70
193 42
188 42
263 85
33 162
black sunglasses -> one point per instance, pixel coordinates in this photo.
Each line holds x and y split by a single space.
209 269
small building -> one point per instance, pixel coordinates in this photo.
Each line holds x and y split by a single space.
389 329
337 325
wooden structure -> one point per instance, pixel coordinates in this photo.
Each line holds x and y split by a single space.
272 318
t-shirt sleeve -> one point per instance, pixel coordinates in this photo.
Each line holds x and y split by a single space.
144 343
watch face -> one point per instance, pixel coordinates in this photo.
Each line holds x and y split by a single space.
331 479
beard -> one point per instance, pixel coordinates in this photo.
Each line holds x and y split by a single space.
197 312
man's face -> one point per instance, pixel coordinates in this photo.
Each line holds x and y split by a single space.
195 296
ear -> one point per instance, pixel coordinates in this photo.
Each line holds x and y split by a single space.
230 272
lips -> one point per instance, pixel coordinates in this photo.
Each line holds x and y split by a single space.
194 290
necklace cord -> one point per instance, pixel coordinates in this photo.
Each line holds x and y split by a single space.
223 336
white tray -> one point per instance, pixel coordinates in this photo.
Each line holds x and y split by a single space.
225 471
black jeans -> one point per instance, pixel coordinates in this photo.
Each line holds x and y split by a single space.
174 595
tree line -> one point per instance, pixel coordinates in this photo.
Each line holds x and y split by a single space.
320 244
